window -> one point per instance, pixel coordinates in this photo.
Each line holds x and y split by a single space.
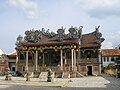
88 55
112 59
13 68
104 59
107 59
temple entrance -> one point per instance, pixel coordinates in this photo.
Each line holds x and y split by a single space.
89 72
13 69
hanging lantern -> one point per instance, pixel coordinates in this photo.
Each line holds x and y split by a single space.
74 46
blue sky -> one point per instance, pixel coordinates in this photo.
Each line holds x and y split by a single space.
17 16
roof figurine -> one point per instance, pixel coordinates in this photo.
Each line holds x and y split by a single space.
33 36
80 32
72 32
75 36
99 38
20 39
97 28
61 33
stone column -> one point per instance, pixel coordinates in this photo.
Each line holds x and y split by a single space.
26 60
72 59
16 66
61 58
99 57
36 63
79 57
65 58
43 59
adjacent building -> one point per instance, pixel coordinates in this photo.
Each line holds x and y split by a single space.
3 62
109 56
12 61
73 52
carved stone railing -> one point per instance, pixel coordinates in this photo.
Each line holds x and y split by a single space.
88 60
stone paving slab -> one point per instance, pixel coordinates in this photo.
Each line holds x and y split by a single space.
88 82
104 81
20 81
99 82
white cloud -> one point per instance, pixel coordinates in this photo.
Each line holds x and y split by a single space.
107 45
29 7
100 8
111 40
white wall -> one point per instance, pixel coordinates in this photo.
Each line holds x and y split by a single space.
107 61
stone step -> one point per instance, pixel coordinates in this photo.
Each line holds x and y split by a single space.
58 74
66 75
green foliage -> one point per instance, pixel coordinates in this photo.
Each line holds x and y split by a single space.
110 69
111 66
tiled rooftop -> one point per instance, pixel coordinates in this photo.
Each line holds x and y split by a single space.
111 52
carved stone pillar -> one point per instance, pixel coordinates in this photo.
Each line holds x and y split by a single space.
65 58
72 59
16 66
36 63
43 58
26 60
99 57
61 58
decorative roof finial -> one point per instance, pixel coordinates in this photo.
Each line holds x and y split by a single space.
97 28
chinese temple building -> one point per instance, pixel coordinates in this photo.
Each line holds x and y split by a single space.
73 52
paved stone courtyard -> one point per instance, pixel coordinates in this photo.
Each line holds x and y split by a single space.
95 82
104 82
21 81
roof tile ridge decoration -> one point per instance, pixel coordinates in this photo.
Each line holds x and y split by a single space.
75 33
35 36
61 34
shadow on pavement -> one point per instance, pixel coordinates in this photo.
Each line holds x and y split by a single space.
114 82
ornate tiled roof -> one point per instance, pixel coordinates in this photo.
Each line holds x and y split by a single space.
41 38
89 40
110 52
